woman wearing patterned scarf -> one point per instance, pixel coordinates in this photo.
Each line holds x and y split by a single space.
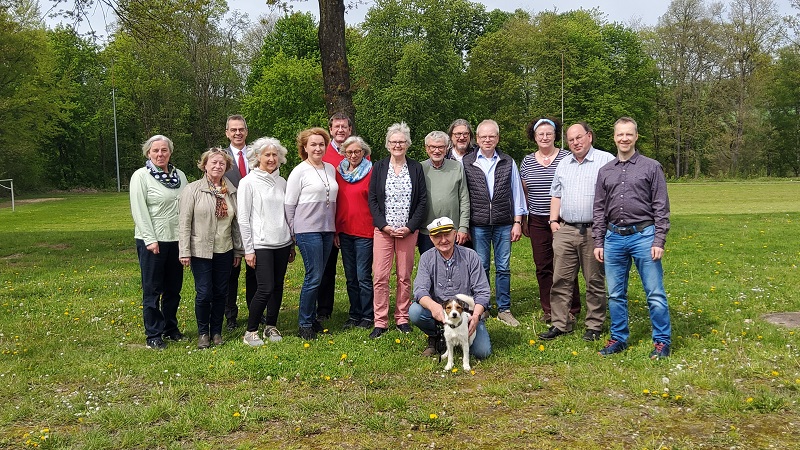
154 191
210 241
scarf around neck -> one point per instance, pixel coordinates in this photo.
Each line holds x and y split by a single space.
221 209
358 174
169 179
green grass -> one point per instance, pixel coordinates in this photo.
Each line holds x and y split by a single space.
73 361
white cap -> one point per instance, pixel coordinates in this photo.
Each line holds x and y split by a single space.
441 225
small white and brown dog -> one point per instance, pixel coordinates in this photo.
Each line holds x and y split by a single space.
456 328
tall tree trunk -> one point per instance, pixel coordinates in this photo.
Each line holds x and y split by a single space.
335 70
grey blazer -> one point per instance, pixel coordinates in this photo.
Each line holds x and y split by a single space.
233 175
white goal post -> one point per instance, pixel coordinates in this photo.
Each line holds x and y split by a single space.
10 187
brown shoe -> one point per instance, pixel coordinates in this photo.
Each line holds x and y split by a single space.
203 341
217 338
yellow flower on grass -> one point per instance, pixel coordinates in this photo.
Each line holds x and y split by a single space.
397 341
455 369
306 345
775 373
344 356
236 414
327 378
541 347
433 416
574 353
678 397
531 342
749 400
664 395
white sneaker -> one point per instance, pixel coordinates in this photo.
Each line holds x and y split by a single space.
507 318
251 338
272 334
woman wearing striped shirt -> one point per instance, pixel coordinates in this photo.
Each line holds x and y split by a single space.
537 171
310 206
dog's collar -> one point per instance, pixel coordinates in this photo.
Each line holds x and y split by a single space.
452 326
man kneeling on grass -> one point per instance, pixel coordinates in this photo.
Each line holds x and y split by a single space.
444 271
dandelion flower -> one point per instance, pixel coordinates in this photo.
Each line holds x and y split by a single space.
775 373
397 341
433 416
646 391
306 345
531 342
344 356
574 353
749 400
541 347
236 414
455 369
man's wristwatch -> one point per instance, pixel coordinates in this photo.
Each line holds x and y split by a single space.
550 222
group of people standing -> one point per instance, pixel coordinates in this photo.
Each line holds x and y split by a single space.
462 208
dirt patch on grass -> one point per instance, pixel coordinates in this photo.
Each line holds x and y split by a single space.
12 256
61 246
7 204
786 319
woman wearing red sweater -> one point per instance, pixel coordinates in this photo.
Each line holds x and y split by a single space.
354 229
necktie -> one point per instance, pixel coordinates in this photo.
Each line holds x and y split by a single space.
242 168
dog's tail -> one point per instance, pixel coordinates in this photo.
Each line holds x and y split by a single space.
467 299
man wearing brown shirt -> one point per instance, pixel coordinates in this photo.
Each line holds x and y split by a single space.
631 221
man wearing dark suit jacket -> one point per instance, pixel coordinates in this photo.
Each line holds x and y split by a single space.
236 132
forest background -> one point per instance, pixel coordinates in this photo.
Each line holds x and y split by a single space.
714 86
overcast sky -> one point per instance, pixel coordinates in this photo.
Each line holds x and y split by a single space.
644 12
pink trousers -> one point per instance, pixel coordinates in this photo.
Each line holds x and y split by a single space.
385 249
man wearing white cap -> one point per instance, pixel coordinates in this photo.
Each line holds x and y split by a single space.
441 274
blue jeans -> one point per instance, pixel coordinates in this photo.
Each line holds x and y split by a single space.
481 347
618 252
315 248
499 237
162 280
211 285
357 260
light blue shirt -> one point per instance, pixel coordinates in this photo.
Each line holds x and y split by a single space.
488 165
574 184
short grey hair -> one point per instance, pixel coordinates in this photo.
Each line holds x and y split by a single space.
255 149
437 136
488 123
159 137
401 128
356 140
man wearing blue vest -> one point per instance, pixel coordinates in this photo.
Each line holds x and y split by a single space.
497 205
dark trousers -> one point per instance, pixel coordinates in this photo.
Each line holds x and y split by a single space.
270 274
211 285
542 246
328 286
231 308
162 280
357 262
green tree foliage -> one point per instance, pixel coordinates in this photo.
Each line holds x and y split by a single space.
76 154
783 155
284 92
516 74
28 103
177 72
409 66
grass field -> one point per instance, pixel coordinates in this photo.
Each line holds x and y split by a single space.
74 371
